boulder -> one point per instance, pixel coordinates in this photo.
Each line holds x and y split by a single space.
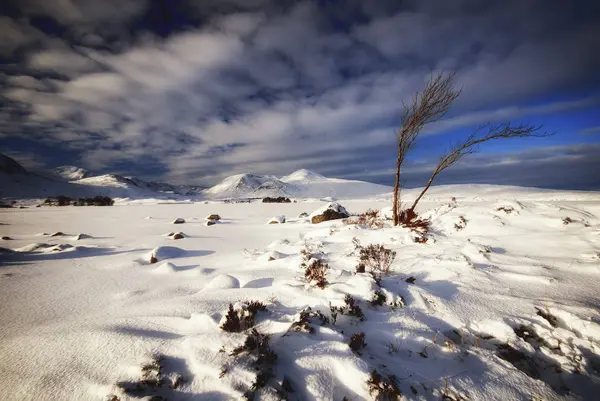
178 220
210 222
213 217
6 238
331 211
57 234
177 236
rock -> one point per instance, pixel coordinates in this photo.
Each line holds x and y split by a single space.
331 211
302 215
177 236
81 236
6 238
222 282
213 217
210 222
411 280
276 220
57 234
178 220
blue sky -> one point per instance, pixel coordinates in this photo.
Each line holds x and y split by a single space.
190 91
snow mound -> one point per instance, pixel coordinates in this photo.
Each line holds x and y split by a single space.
36 246
276 220
272 255
164 252
223 282
165 268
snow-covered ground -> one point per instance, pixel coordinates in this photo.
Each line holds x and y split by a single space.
501 302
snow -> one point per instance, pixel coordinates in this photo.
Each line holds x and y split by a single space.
303 176
276 220
301 184
495 310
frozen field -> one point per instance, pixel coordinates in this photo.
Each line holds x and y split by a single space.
501 303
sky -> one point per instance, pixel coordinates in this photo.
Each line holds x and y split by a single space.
191 91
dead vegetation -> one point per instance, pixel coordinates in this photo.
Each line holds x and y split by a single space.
242 316
506 209
304 321
315 269
462 223
383 388
378 299
256 347
357 342
376 259
350 308
153 377
369 219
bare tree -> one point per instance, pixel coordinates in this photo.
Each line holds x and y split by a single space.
470 145
428 106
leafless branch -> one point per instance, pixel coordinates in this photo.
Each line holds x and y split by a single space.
470 146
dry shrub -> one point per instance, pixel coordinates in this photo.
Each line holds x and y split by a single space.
238 320
153 377
371 219
462 223
257 347
420 239
378 298
357 342
506 209
377 259
316 272
350 308
315 269
303 323
383 388
567 220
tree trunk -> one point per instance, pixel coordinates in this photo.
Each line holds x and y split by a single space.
395 206
414 205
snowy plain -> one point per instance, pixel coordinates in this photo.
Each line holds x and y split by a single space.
501 303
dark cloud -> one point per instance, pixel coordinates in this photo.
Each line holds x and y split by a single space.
289 83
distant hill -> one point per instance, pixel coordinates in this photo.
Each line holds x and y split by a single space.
301 184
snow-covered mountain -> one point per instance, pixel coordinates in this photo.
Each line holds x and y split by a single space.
302 184
17 183
302 176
